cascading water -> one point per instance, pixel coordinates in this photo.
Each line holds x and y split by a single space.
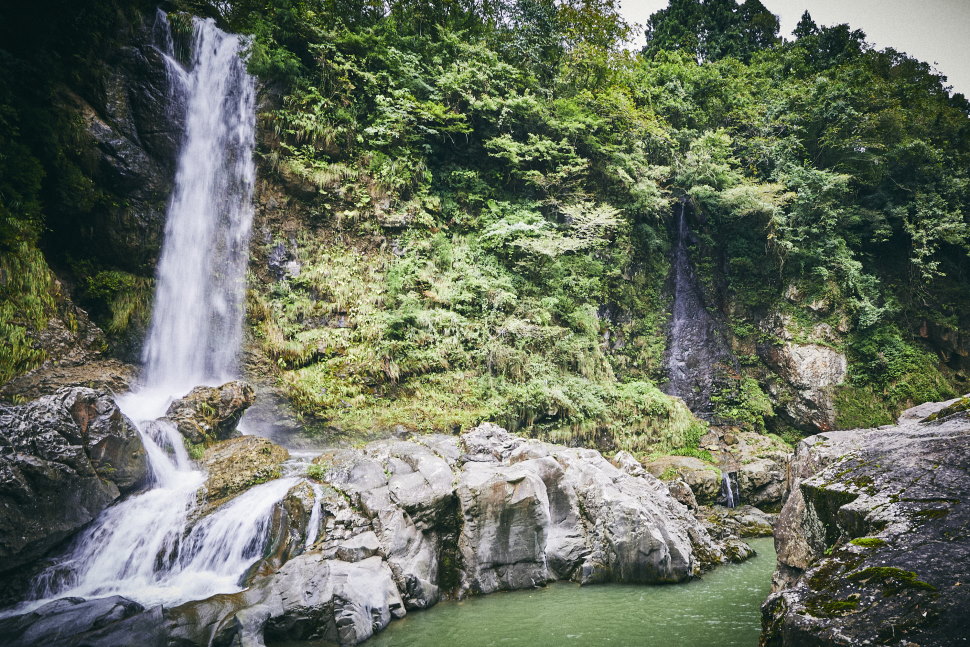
197 317
146 547
729 489
698 351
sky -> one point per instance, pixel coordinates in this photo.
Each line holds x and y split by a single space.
935 31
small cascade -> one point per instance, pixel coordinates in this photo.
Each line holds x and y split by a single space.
729 489
313 526
146 547
698 352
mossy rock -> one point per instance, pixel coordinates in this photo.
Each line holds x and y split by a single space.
237 464
963 404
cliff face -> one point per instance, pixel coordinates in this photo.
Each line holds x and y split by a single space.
94 131
873 538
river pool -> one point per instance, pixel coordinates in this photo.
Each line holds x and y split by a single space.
718 610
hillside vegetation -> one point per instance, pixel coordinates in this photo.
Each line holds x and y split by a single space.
484 194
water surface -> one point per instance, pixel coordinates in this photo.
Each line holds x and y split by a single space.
718 610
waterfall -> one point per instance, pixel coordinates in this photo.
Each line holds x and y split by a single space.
313 526
697 351
730 490
196 323
146 547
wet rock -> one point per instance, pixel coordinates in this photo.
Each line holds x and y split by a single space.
872 541
73 622
738 551
313 598
63 459
131 131
211 413
759 463
741 522
681 491
237 464
310 598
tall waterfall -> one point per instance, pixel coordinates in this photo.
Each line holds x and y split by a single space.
196 321
698 352
146 547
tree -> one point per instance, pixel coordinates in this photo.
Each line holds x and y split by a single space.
712 29
806 26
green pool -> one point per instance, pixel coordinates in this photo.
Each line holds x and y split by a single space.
718 610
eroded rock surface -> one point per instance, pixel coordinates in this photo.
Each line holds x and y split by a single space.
63 459
211 413
872 542
236 464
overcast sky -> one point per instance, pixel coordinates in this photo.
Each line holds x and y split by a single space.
935 31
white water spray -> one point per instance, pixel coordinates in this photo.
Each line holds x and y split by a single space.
729 488
143 547
313 526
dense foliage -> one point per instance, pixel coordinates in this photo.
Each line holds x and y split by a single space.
486 188
524 165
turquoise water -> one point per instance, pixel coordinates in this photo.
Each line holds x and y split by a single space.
720 609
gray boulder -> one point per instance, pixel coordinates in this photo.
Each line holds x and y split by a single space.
872 541
63 459
211 413
73 622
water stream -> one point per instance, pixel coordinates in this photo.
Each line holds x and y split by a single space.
146 547
698 351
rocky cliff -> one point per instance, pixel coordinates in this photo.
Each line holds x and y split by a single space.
873 539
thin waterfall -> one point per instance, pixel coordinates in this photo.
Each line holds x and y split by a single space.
729 489
698 351
313 525
146 547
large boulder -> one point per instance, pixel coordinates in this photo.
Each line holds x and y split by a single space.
73 622
211 413
406 490
344 602
237 464
63 459
506 515
872 541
